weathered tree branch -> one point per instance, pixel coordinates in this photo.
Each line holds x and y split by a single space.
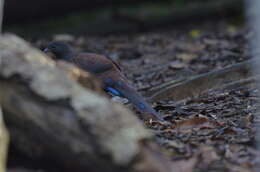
50 116
195 85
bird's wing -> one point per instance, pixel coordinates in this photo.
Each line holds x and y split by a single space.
93 63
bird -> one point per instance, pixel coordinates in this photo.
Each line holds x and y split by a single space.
107 71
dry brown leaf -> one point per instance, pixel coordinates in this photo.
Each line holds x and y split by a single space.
196 122
186 57
191 47
177 65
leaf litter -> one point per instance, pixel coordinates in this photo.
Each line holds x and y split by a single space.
212 132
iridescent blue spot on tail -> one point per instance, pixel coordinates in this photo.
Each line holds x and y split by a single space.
141 106
113 91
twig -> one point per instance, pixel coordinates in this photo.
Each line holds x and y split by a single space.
195 85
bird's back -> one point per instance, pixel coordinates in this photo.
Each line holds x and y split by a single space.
94 63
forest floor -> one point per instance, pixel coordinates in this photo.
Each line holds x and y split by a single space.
212 132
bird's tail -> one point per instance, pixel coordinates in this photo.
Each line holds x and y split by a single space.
137 100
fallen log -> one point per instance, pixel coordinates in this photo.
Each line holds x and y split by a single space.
83 78
50 116
195 85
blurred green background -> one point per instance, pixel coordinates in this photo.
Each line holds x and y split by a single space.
111 16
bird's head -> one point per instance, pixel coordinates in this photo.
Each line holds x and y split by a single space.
59 50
